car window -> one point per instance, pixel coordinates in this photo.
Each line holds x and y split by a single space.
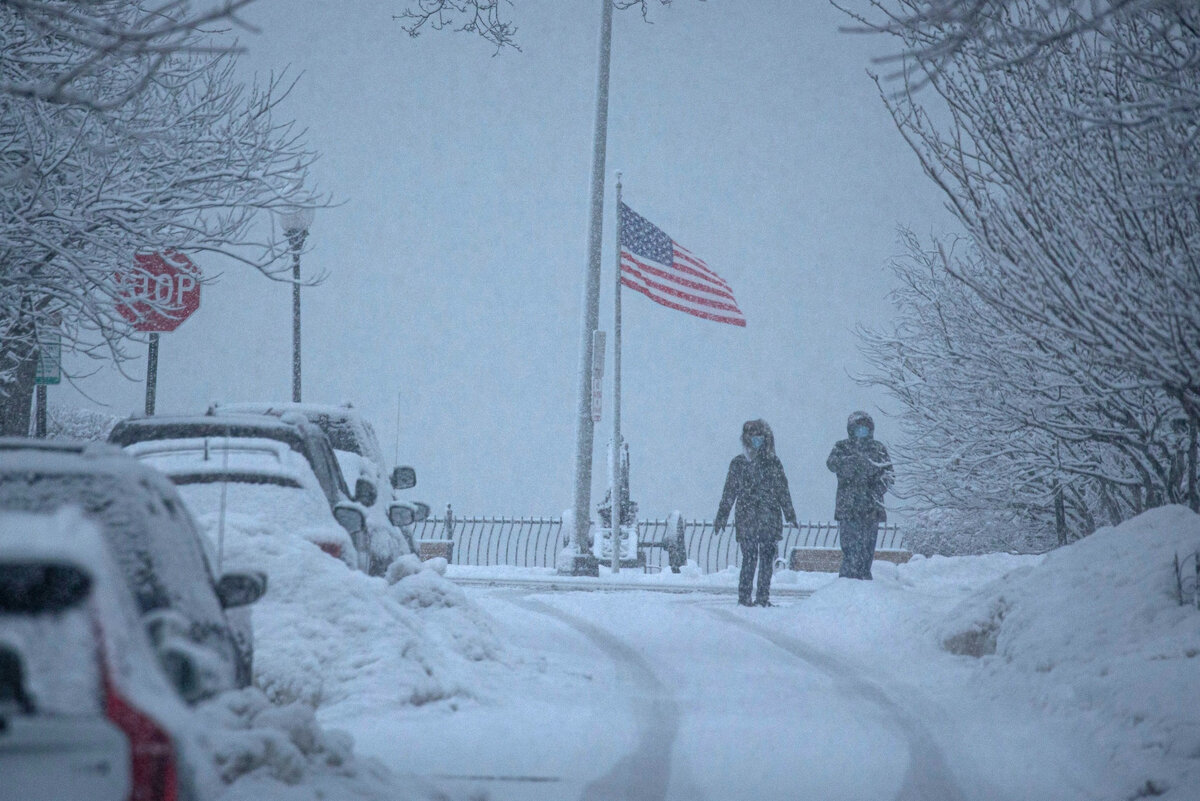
325 467
129 432
341 432
349 433
183 479
371 448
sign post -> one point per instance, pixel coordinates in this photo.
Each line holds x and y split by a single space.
157 294
49 369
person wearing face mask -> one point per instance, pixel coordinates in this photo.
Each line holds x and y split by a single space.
757 487
864 474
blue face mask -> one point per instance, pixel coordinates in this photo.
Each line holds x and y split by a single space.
757 441
862 432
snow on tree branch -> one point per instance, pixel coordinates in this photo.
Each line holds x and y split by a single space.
158 150
84 38
484 18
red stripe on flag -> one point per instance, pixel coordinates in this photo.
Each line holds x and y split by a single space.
626 256
704 274
712 304
738 321
683 254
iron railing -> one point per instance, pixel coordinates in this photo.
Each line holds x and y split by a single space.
1187 578
536 541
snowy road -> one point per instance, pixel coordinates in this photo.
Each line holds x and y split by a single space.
648 696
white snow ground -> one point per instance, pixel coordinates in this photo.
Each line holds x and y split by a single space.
1085 685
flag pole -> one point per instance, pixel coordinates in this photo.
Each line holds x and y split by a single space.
584 430
616 497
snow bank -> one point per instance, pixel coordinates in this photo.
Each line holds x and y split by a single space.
1095 632
1078 666
327 636
264 751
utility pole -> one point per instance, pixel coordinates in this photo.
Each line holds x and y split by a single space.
296 221
591 296
618 501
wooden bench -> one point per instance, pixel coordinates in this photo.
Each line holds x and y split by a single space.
429 549
829 560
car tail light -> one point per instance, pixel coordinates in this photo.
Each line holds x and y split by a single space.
334 549
153 773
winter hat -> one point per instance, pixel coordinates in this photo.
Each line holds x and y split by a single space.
859 419
759 428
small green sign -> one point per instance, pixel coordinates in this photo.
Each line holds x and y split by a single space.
49 364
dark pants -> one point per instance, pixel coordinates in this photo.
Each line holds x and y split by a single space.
858 547
762 554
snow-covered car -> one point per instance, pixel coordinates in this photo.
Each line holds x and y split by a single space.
247 476
360 458
85 712
164 559
296 432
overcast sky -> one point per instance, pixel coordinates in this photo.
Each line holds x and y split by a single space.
749 132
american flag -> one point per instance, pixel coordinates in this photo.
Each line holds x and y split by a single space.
664 271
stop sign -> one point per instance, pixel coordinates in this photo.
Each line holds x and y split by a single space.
160 291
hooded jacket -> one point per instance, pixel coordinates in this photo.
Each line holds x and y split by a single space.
757 488
864 473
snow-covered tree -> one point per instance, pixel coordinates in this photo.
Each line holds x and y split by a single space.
159 149
1074 315
997 426
62 46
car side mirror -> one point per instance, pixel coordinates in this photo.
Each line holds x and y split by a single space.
422 510
404 478
401 515
349 517
365 492
241 589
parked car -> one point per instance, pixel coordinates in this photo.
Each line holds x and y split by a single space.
296 432
85 713
263 478
356 447
164 559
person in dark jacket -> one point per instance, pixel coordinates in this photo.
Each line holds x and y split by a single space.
864 474
758 489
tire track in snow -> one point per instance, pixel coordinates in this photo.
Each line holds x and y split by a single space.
928 776
645 773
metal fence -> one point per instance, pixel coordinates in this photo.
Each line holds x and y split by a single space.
1187 578
536 541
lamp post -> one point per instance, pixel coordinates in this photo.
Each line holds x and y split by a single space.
296 221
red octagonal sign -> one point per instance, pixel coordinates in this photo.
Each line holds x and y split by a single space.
159 292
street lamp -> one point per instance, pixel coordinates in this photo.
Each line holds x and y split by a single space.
296 221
